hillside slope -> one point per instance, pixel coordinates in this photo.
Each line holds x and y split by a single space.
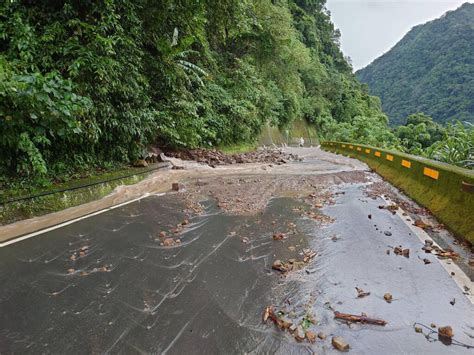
430 70
88 84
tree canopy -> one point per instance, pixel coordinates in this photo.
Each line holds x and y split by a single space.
87 83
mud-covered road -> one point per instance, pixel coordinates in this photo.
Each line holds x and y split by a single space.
191 271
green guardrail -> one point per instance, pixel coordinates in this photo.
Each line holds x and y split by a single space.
446 190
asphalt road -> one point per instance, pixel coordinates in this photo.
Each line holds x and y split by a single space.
104 284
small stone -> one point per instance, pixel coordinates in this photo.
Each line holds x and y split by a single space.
311 336
299 333
388 251
427 249
245 240
278 236
452 273
322 336
433 325
406 253
175 186
418 330
452 302
185 222
426 261
279 266
285 323
70 271
446 332
163 234
387 233
168 242
428 242
370 216
388 297
340 344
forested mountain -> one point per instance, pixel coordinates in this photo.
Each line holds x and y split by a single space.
92 83
430 70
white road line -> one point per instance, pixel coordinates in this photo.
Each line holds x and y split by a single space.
34 234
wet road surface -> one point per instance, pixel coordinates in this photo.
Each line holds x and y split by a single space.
126 293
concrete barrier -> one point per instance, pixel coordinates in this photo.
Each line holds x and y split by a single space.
446 190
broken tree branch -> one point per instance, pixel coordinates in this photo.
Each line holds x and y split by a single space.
358 319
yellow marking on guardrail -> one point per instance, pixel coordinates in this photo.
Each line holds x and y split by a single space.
434 174
351 147
389 157
406 163
378 154
359 149
367 151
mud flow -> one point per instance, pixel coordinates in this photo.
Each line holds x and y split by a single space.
108 284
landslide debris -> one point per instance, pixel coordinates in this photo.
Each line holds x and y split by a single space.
213 157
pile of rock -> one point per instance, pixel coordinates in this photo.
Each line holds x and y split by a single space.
214 157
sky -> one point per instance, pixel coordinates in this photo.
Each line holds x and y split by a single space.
371 27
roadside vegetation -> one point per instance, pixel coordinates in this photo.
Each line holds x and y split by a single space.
88 86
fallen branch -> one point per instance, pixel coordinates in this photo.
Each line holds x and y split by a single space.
358 319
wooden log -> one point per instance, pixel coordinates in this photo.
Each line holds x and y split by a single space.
358 319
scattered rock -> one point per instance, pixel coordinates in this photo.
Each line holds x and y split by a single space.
245 240
175 186
426 261
418 329
311 336
361 293
387 233
427 248
420 224
433 325
452 302
322 336
278 236
406 253
299 333
279 266
168 242
445 335
370 216
387 297
339 343
71 271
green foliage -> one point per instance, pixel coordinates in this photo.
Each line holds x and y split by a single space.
92 83
456 147
430 70
419 133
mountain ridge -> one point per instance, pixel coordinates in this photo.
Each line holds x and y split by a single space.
430 70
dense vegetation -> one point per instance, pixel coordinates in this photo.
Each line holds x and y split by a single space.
430 70
92 83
